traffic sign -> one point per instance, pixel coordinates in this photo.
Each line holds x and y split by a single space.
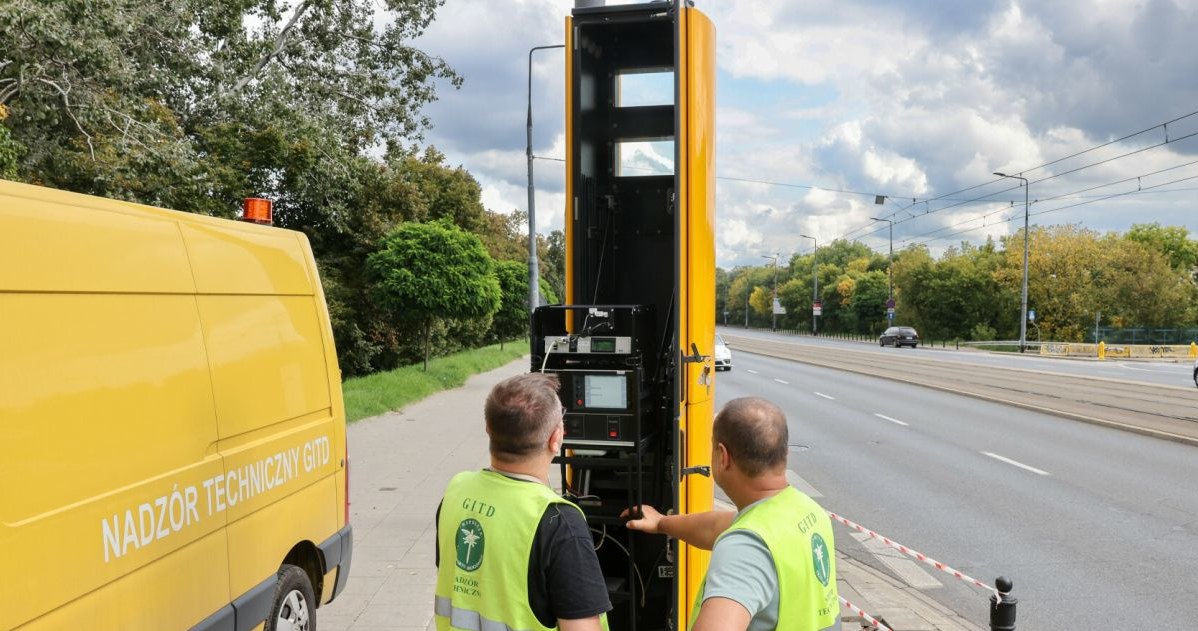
817 308
890 304
778 308
890 315
1031 315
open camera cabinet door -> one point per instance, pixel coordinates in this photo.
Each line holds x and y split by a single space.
639 229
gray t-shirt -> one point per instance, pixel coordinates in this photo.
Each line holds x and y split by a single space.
742 569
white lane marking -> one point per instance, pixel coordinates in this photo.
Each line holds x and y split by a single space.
908 570
752 372
1015 463
799 483
1167 369
892 420
785 383
820 394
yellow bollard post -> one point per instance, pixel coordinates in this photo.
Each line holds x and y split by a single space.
1193 350
1102 350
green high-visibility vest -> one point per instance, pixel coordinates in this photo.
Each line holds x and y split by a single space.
484 534
798 534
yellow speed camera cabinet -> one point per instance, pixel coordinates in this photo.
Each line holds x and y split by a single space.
172 433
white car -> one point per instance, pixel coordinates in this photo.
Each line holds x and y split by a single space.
723 355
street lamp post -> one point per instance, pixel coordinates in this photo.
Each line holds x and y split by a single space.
1023 299
814 284
890 265
534 272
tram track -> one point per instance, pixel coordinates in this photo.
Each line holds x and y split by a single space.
1168 412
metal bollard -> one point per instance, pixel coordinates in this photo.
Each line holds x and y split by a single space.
1002 615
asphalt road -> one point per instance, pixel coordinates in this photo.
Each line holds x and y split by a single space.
1097 527
1177 373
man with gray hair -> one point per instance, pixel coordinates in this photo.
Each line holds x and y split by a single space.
773 563
511 553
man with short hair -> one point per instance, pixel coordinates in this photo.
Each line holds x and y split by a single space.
773 563
511 553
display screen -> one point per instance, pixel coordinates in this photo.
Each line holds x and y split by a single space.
605 391
603 344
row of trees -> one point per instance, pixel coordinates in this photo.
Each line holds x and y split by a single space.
314 104
1143 278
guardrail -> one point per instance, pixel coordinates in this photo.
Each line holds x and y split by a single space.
1102 350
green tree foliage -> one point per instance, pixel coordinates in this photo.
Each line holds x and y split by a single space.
196 104
945 299
10 150
512 319
553 265
434 272
1141 279
762 301
1171 241
383 196
745 281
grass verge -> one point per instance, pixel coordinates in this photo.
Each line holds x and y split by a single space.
384 391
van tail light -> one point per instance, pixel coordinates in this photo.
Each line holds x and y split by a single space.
257 210
347 482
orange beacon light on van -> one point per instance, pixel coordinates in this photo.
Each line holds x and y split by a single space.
257 210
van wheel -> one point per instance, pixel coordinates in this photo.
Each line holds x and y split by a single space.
294 603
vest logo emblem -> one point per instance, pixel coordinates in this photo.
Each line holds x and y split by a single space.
820 557
470 543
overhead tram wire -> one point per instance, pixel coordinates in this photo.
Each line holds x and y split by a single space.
1144 190
983 198
947 196
985 217
728 178
1062 174
1061 196
1163 125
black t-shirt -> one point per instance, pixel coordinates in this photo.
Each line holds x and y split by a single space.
564 579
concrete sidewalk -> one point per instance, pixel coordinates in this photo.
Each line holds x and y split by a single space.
400 463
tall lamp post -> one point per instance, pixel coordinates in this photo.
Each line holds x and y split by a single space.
814 284
889 266
774 323
1023 300
534 272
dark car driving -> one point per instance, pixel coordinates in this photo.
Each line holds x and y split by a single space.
899 336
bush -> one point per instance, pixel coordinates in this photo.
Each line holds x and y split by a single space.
982 332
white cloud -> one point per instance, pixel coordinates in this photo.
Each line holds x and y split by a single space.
910 99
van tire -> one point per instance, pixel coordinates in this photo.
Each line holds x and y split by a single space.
294 605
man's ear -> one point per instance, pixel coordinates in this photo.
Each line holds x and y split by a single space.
723 458
556 438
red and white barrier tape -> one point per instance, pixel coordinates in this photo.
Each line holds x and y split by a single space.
857 610
918 555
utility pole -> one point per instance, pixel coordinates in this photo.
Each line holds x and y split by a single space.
774 325
889 266
814 284
1023 300
534 272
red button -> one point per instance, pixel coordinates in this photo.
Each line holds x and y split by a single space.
613 433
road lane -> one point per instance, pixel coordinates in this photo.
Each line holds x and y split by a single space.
1162 411
1158 373
1108 540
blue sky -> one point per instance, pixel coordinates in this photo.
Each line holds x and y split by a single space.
913 99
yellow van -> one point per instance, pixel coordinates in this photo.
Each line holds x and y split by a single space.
172 433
